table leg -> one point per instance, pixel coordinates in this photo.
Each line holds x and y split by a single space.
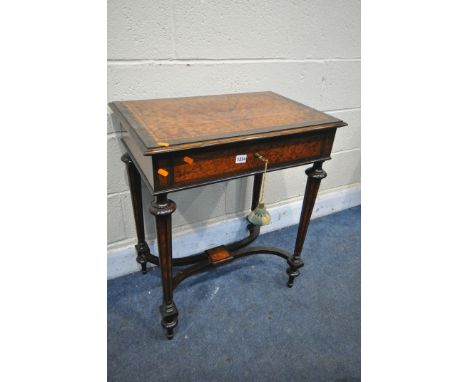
162 208
315 174
134 180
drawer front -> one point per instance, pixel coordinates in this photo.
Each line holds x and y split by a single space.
211 164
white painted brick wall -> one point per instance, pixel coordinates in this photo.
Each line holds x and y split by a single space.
308 50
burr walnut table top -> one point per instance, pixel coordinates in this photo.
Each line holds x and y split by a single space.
165 125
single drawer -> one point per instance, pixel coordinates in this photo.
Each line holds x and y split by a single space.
206 165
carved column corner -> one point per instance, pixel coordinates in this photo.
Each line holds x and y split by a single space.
162 207
316 171
126 159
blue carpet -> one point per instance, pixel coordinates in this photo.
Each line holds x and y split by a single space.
240 322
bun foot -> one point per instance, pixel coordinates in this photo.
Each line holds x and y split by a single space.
169 320
292 275
142 248
141 260
170 333
293 271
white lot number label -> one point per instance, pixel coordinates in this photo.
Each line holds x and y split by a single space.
241 158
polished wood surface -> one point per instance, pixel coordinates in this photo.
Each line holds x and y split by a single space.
134 182
219 255
189 122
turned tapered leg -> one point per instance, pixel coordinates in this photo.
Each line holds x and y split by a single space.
315 174
134 180
162 208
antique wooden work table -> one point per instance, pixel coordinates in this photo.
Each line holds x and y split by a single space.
175 144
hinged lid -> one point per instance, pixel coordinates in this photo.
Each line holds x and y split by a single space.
180 123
